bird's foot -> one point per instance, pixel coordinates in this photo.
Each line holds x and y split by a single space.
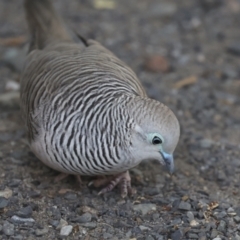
123 179
62 176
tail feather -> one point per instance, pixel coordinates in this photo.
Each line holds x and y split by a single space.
44 24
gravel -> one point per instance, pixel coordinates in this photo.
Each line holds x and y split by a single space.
192 40
66 230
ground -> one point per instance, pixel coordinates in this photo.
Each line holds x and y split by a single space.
187 55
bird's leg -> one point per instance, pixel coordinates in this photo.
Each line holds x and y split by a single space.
124 180
62 176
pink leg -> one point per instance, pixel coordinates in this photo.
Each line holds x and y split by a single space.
124 180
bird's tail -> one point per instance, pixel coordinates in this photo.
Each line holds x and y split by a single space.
45 24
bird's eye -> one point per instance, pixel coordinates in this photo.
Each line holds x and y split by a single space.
156 140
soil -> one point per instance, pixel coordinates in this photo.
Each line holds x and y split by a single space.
187 55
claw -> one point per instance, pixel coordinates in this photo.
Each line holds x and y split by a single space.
124 180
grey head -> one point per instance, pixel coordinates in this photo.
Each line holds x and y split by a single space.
156 132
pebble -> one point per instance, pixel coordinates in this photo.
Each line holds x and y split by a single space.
206 143
90 225
107 235
40 232
157 63
8 228
62 223
222 226
193 235
237 219
66 230
86 217
70 196
14 183
25 212
217 238
3 202
194 223
177 235
190 216
184 206
18 237
219 215
203 238
162 9
214 233
234 49
16 219
12 86
149 237
145 208
155 216
144 228
6 193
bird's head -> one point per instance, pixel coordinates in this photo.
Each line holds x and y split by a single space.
155 134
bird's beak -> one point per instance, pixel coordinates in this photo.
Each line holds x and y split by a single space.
169 161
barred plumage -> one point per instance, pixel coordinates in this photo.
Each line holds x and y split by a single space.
86 112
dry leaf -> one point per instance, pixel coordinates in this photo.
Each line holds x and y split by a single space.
13 41
104 4
185 82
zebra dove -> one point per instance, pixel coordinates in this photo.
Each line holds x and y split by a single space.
86 112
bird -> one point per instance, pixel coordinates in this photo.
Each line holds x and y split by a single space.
86 113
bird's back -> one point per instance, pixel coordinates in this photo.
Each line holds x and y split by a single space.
67 89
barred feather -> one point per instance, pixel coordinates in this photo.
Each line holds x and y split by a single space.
80 102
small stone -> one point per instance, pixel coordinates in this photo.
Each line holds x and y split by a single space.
190 216
66 230
149 237
206 143
193 235
40 232
184 206
155 216
144 228
234 49
18 237
237 237
222 226
34 194
203 238
214 233
14 183
25 212
86 217
70 196
16 219
62 223
230 209
217 238
194 223
107 235
237 219
6 193
177 221
177 235
157 63
8 228
90 225
145 208
54 223
3 202
219 215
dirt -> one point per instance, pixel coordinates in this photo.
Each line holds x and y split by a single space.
199 41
